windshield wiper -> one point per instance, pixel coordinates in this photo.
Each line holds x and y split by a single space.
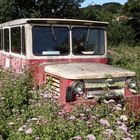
54 36
87 37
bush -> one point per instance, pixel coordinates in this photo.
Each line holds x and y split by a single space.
16 89
15 94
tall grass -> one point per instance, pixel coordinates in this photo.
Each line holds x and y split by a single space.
126 57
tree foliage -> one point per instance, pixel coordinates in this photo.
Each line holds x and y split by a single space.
91 12
132 10
14 9
112 7
120 33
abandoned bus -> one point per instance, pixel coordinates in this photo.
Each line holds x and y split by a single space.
71 53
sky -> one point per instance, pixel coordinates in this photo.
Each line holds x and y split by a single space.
87 2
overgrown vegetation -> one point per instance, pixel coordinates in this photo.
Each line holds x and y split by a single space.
126 57
28 114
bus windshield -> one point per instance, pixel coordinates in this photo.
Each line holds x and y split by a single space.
54 40
50 40
88 41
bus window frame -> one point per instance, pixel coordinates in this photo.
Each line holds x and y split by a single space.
1 39
21 39
95 27
9 43
12 39
54 25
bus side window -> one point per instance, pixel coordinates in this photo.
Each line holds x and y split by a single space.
6 40
16 40
23 40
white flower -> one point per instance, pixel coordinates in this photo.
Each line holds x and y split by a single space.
29 120
111 101
2 98
37 138
123 118
20 129
119 105
82 114
91 137
24 126
34 119
11 123
105 101
29 131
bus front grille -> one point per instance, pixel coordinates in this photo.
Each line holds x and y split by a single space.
53 85
100 88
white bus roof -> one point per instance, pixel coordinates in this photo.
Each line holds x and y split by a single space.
53 21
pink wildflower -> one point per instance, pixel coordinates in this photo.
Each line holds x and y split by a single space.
117 108
29 131
88 109
104 122
60 113
77 138
82 115
91 137
108 132
119 122
127 139
123 127
72 118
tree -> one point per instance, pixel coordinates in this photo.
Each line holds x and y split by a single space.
132 10
14 9
60 8
91 12
105 12
120 32
112 7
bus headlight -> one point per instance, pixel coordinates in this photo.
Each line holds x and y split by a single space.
78 87
132 82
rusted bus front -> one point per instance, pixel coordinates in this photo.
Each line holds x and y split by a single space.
68 55
91 81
